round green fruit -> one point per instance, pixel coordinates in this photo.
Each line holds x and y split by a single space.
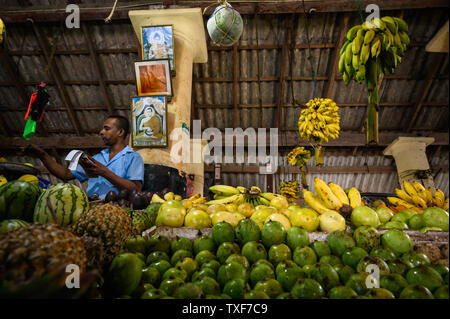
339 241
357 282
297 237
353 256
380 293
231 271
236 288
400 266
247 230
394 283
170 285
289 276
384 253
204 242
204 256
124 274
208 285
416 292
441 269
367 237
222 232
150 275
416 259
256 294
264 262
325 275
304 256
158 242
180 254
214 265
279 253
284 265
202 273
436 217
188 264
254 251
320 248
308 289
271 287
272 233
364 216
136 244
261 272
153 294
416 222
174 272
364 264
239 259
225 250
156 256
344 272
441 292
342 292
189 291
397 241
330 259
161 266
424 276
180 243
384 214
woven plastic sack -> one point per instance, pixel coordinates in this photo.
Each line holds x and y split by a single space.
225 25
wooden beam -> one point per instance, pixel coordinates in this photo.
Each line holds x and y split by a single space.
98 12
98 69
363 169
284 61
438 60
285 139
12 70
235 86
57 77
334 66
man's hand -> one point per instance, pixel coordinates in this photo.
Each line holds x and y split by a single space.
92 167
34 151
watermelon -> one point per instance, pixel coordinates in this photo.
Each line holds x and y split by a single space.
18 199
62 204
11 224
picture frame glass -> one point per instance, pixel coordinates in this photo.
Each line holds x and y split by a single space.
153 78
149 118
157 43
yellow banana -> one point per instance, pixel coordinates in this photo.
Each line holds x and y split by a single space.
365 53
429 196
421 191
314 202
339 192
419 201
326 195
263 201
446 204
439 198
368 36
390 24
399 202
404 38
403 195
375 48
355 197
358 41
409 188
226 200
402 25
355 61
352 32
379 24
348 55
224 190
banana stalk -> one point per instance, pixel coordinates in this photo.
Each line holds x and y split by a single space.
303 175
318 154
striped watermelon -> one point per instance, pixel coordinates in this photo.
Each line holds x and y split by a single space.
62 204
17 200
11 224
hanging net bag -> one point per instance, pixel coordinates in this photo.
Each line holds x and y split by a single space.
225 25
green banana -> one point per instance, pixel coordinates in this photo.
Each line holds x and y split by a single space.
375 49
390 24
361 74
404 37
352 32
348 54
344 46
379 24
402 25
365 53
341 64
358 41
368 36
346 78
355 61
398 41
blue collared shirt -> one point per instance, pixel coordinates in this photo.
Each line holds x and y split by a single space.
126 164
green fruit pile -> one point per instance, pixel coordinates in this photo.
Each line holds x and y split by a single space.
248 263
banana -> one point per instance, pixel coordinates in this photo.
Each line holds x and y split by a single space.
352 32
344 46
339 192
263 201
399 202
409 189
358 41
402 25
446 204
268 196
354 197
429 196
419 202
201 200
346 78
379 24
439 198
224 190
324 192
421 191
365 53
398 42
225 200
375 48
341 64
403 195
368 36
195 196
314 202
348 54
390 24
355 61
404 38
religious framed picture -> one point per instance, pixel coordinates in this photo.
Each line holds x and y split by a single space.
149 121
157 43
153 78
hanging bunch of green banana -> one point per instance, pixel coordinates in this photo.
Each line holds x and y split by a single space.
300 156
319 122
290 190
371 49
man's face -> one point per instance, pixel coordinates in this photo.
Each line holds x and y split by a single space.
110 133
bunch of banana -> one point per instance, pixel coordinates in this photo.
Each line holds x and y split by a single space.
290 190
319 121
373 48
332 197
224 194
415 195
300 156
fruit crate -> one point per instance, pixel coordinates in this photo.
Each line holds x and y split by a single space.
438 238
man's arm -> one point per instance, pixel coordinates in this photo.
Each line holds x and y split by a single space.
53 167
96 168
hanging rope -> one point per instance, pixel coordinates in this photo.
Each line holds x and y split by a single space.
290 54
108 18
360 11
310 57
258 71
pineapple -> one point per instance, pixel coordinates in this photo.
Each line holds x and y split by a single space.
34 259
108 222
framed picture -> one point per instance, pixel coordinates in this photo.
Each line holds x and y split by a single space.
153 78
149 118
157 43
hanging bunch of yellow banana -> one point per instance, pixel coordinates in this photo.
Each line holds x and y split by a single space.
416 196
371 49
300 156
319 122
290 190
2 31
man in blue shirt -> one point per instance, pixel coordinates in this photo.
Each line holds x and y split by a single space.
114 168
